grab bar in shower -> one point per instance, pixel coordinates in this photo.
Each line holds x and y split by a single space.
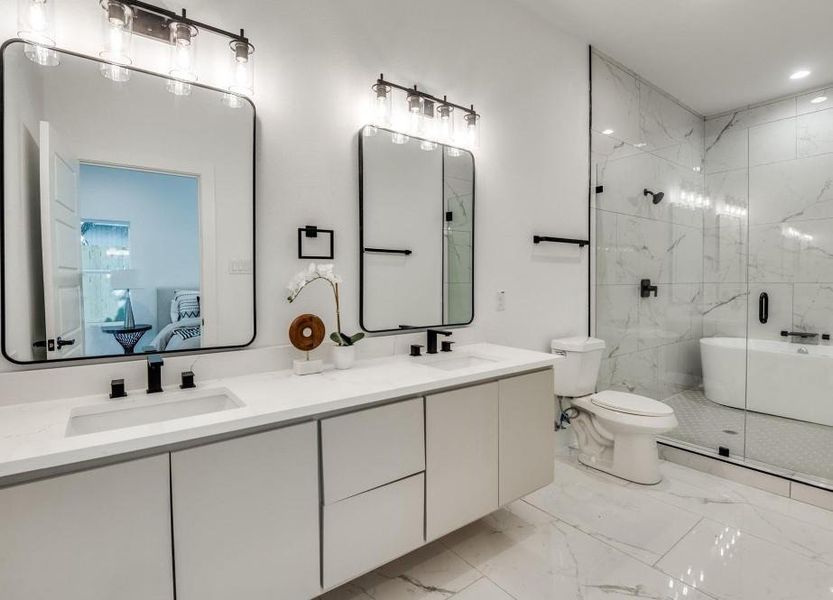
799 334
537 239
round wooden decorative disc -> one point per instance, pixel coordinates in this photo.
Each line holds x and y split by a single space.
306 332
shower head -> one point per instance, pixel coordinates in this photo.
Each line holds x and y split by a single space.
655 196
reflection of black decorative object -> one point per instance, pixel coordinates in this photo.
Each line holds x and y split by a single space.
537 239
311 231
127 337
388 251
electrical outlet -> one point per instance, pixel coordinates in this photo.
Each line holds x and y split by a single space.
501 300
240 266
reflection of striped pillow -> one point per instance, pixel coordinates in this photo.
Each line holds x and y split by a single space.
188 307
186 333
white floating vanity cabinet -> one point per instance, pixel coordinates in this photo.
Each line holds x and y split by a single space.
284 513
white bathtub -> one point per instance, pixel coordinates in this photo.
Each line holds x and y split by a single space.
780 380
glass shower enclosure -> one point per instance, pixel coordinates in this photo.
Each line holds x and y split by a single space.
713 256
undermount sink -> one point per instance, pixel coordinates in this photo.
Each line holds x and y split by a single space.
454 363
129 413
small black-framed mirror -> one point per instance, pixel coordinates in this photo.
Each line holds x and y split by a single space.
128 211
417 230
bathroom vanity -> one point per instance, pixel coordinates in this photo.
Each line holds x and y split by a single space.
275 486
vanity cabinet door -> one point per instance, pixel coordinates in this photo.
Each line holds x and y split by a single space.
461 468
95 535
527 418
245 515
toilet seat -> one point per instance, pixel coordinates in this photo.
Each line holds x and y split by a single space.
631 404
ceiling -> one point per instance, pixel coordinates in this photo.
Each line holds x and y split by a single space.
713 55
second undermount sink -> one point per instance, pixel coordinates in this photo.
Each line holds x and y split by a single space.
128 413
454 363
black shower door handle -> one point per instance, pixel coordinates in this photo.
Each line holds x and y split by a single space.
763 307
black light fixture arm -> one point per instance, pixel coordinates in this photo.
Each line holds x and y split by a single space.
171 16
415 90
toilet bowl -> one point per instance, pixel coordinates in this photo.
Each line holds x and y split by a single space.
615 431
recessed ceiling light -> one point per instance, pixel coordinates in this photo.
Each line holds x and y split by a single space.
800 74
607 132
818 100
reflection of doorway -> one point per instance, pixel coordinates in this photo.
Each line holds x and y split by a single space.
145 223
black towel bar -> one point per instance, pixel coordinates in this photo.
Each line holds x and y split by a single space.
388 251
537 239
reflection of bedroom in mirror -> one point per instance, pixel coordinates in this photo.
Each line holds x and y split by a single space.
140 260
128 214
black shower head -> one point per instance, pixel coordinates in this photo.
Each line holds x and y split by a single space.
655 196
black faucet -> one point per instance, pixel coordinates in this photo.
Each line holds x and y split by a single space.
432 339
646 289
155 363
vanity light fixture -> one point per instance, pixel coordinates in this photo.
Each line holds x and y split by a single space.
118 36
242 72
36 27
445 120
123 18
472 128
183 57
414 100
429 117
380 104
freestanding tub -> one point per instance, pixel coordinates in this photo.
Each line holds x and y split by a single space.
768 376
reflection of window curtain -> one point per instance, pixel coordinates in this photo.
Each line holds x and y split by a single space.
104 248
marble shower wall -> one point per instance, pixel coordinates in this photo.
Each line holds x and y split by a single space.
773 166
644 139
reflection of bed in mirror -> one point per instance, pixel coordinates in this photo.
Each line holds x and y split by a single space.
179 320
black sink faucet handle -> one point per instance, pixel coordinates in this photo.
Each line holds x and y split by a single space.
445 346
432 339
416 349
155 363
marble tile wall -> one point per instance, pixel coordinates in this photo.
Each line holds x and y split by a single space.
644 139
769 174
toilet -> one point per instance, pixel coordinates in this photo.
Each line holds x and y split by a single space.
616 432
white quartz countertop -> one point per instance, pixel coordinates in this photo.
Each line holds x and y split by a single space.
33 436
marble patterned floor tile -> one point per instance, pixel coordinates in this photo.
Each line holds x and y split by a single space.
482 589
736 506
620 516
732 564
532 556
429 573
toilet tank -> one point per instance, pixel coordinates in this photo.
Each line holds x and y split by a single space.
576 373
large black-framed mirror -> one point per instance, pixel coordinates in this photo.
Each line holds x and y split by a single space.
417 206
128 212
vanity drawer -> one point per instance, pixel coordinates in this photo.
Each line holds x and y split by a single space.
365 449
368 530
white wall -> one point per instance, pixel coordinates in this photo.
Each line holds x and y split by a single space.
315 63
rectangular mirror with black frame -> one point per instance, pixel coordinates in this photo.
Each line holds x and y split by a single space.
417 232
128 212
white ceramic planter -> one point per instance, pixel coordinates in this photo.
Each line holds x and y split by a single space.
344 356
